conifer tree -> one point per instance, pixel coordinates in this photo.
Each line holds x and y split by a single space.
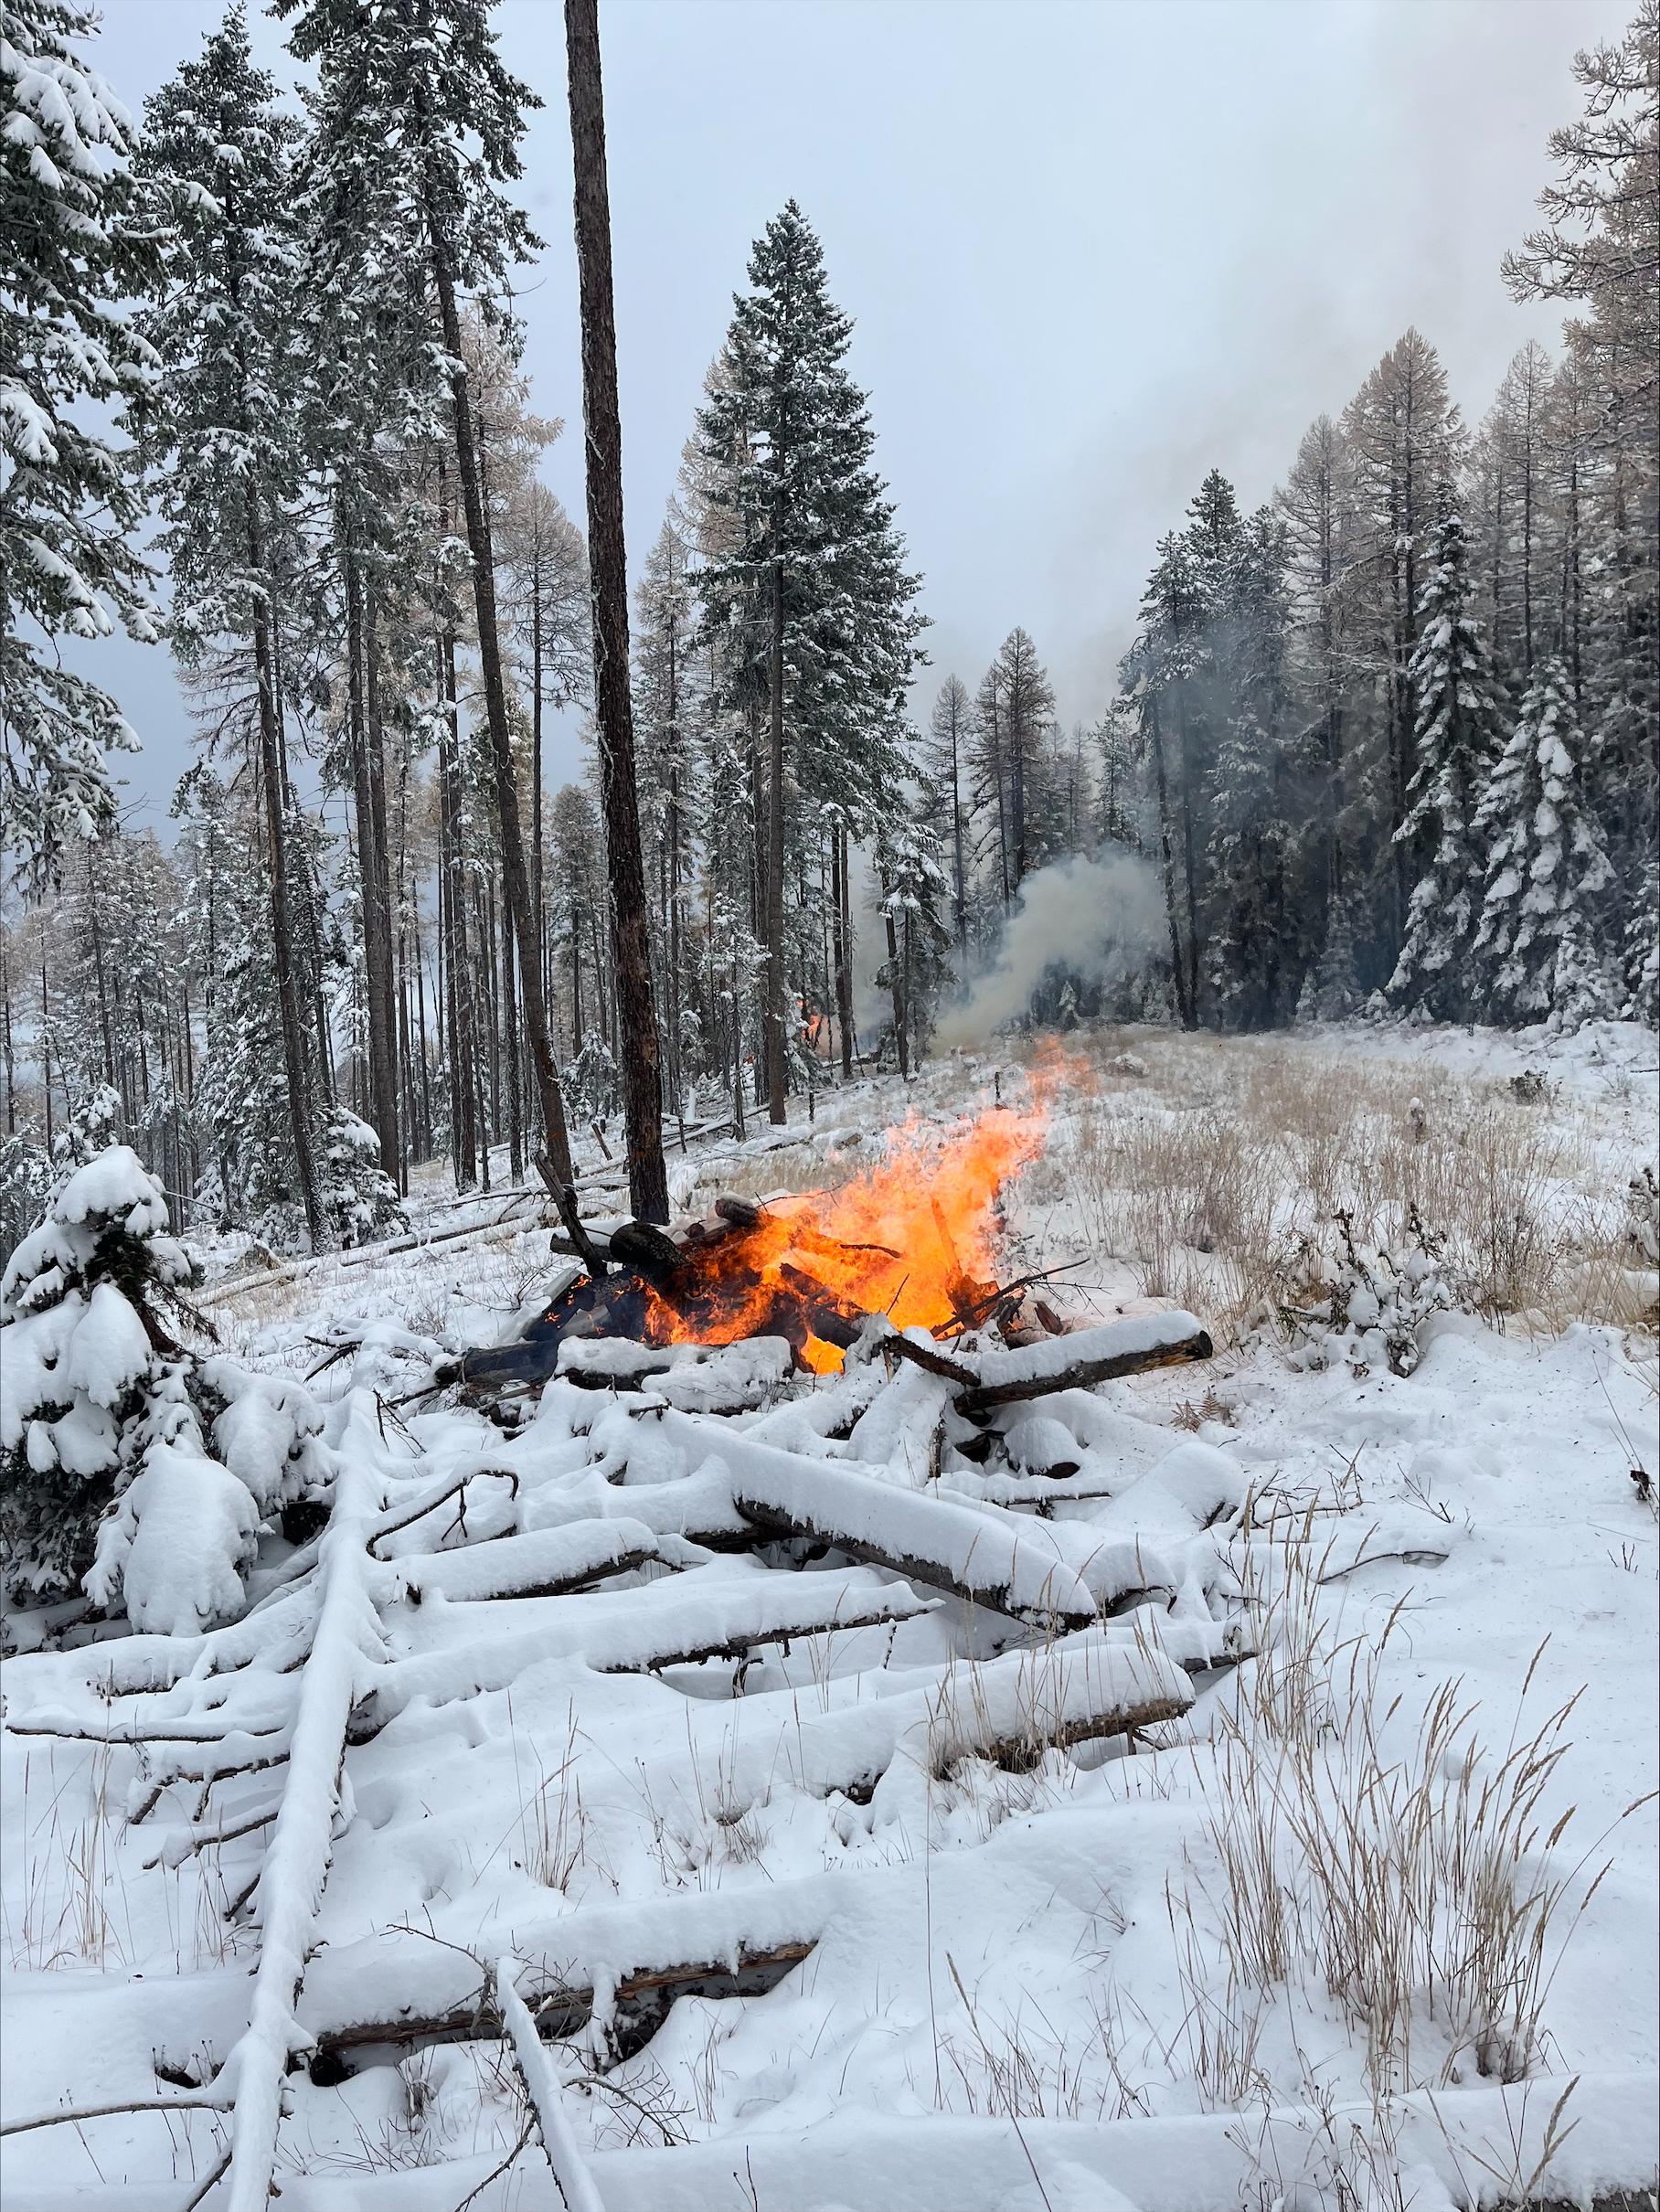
948 778
218 434
1459 734
812 585
1547 875
79 235
1255 952
418 125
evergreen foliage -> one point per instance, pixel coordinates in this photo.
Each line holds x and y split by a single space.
78 233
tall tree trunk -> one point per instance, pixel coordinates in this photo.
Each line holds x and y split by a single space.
841 936
1184 1005
631 945
281 918
462 1025
774 894
895 991
515 882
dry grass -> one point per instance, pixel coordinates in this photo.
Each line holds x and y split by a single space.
1416 1881
1207 1179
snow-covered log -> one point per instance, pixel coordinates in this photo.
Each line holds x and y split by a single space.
707 1614
925 1537
296 1865
547 1562
1085 1358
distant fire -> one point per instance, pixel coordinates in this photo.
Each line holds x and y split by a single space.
914 1238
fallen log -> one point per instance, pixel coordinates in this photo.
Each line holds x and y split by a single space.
926 1539
545 1563
665 1624
641 2002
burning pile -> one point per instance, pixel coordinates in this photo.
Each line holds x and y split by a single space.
913 1239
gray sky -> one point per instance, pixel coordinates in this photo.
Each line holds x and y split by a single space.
1093 248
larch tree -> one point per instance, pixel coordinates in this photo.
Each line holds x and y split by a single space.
1598 250
79 233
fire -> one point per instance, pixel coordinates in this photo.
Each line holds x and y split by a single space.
914 1238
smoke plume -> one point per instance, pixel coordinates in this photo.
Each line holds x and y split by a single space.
1099 918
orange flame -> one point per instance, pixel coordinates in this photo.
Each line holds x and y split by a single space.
914 1237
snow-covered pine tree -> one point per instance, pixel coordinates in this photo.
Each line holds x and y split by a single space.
665 695
78 237
417 127
1257 950
1599 252
1016 715
915 896
95 1412
948 785
219 430
1117 812
809 581
1457 739
1548 877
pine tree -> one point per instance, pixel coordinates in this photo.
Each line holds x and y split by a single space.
1547 873
417 132
948 780
95 1407
810 586
1457 739
914 893
1255 955
218 434
78 237
1016 724
1116 812
665 697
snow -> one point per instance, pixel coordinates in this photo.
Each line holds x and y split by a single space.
998 1924
170 1549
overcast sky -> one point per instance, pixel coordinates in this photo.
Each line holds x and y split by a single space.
1093 248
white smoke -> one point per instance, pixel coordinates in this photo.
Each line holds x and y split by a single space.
1102 918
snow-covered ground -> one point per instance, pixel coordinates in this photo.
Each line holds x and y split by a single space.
1370 1921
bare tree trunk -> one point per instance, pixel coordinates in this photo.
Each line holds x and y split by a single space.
774 898
895 991
842 946
281 918
630 947
462 1029
1183 1005
516 884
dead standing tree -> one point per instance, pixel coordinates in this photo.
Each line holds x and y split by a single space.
630 951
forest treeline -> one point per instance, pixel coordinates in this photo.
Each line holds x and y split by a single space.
1388 740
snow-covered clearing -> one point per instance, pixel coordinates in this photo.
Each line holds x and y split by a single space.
1270 1842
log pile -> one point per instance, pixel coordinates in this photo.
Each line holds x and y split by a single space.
682 1523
